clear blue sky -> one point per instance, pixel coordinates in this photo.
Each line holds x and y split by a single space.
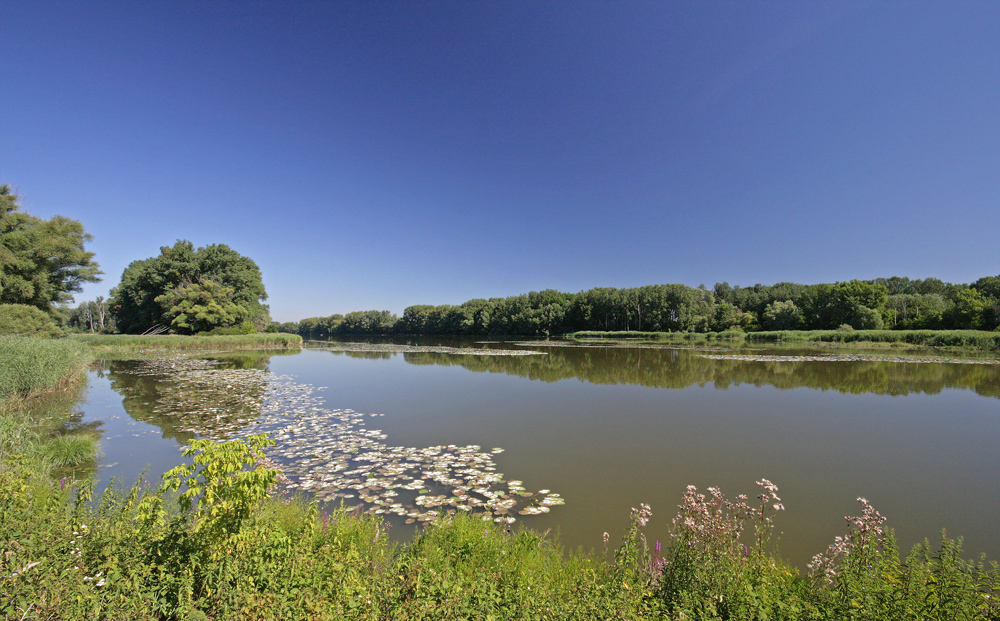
380 154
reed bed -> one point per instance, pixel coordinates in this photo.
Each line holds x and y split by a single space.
177 342
31 366
967 339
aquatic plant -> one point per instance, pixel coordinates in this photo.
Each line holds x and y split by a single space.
66 451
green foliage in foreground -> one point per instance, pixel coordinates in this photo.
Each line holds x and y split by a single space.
175 342
32 365
230 552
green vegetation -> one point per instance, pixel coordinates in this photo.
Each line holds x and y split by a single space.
238 554
968 339
39 383
884 303
227 548
663 368
69 450
188 291
32 366
24 320
41 261
177 342
972 339
92 316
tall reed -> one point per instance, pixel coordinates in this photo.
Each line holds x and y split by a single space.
31 366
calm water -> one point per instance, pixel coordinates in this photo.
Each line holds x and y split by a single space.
611 427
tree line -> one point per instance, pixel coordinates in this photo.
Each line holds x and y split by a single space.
882 303
191 290
183 290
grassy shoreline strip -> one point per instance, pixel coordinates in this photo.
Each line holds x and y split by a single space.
33 366
971 339
176 342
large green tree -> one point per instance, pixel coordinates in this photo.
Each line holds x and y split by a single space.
42 262
201 306
151 291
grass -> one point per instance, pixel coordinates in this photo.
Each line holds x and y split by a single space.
175 342
32 366
966 339
40 380
969 339
67 451
131 554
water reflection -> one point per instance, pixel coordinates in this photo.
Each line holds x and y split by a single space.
681 368
639 425
185 397
61 414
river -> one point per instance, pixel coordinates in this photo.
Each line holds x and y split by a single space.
568 437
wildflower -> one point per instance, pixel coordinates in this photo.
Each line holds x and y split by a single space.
642 514
606 538
865 532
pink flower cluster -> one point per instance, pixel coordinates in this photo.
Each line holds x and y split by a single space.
865 533
641 515
707 520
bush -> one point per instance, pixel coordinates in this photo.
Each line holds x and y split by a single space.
223 332
868 319
24 320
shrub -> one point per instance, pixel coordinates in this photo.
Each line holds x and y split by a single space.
868 319
24 320
223 332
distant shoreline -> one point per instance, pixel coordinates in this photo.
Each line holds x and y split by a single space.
963 339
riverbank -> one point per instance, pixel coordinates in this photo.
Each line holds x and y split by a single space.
231 549
965 339
128 343
34 366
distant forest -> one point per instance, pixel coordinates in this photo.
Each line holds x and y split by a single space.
884 303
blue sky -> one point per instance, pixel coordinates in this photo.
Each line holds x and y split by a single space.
374 155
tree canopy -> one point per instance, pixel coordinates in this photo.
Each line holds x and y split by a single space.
883 303
42 262
190 290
